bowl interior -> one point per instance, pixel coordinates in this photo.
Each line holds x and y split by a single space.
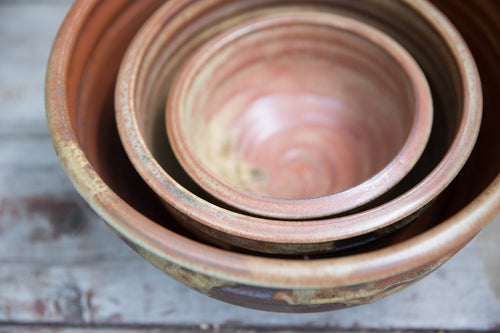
180 35
162 68
87 102
296 107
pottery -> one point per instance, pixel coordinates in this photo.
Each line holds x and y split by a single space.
176 30
85 139
299 115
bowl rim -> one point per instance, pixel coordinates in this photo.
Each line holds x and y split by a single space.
377 184
442 240
282 231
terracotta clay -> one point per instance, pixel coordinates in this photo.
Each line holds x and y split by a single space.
166 41
328 282
299 115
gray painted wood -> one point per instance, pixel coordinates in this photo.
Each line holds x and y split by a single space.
59 264
165 329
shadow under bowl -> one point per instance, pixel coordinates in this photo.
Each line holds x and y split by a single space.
299 115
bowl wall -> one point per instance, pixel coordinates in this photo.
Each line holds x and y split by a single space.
319 111
166 40
96 166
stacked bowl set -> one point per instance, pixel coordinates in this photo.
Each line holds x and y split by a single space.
283 155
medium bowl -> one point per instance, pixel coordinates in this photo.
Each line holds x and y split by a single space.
79 104
299 115
175 31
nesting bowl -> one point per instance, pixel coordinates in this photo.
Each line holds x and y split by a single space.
173 33
79 104
299 115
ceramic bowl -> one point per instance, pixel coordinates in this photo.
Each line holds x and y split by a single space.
299 115
79 104
176 31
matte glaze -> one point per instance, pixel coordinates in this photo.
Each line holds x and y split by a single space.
383 268
165 42
299 115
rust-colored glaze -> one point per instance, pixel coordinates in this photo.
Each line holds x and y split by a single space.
178 29
385 267
299 115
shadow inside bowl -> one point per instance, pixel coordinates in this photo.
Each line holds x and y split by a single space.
93 118
431 53
146 81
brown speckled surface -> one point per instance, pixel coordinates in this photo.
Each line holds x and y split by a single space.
439 50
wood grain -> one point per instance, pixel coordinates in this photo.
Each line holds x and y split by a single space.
62 270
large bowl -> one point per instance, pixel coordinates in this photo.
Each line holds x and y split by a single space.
299 115
79 104
177 30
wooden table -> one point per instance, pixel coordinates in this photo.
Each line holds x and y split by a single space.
62 270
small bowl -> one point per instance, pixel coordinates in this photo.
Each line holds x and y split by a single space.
167 40
79 106
299 115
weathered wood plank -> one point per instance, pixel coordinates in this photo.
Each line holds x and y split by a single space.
458 296
59 264
54 231
157 329
27 29
29 167
202 329
169 329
